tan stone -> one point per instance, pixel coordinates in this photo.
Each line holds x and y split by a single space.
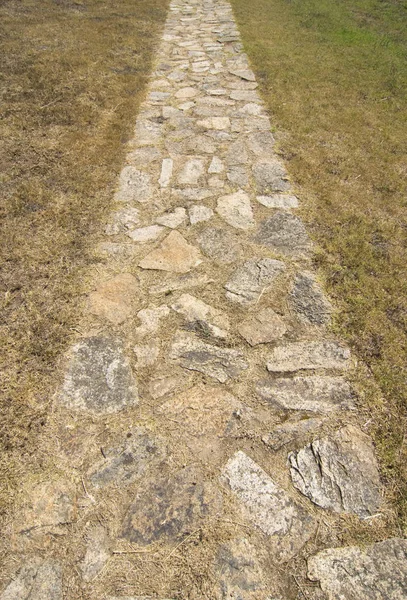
173 254
262 327
113 299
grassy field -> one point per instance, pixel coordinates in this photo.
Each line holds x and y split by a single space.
73 74
334 76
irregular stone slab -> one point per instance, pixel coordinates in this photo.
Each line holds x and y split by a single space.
262 327
186 92
97 553
268 506
237 153
339 472
308 355
308 300
144 156
116 251
199 213
240 574
129 461
246 74
192 171
166 172
124 219
236 210
377 573
291 431
219 123
148 133
194 194
237 175
284 233
245 95
151 319
251 108
166 385
251 279
219 363
216 165
278 201
270 177
220 245
51 505
173 254
210 319
261 143
134 185
173 219
36 580
314 394
147 354
200 144
187 281
171 507
98 378
113 298
145 234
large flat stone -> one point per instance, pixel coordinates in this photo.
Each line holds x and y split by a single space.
308 300
287 525
36 580
122 220
236 210
51 505
142 235
378 572
197 312
314 394
170 508
173 254
220 245
339 472
291 432
199 213
134 185
261 143
219 363
239 571
192 171
262 327
270 177
113 299
173 219
98 378
251 279
285 233
308 355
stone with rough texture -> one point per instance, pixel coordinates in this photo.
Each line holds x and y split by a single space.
251 279
36 580
97 553
173 254
339 472
186 92
220 363
51 505
169 508
218 123
220 245
239 571
199 213
262 327
147 354
308 300
151 319
236 210
261 143
134 185
290 432
182 282
205 317
122 220
284 233
173 219
166 172
113 299
167 384
308 355
278 201
191 172
313 394
378 572
98 378
143 235
268 506
243 74
216 165
270 177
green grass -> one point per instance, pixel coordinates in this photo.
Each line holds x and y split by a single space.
334 76
73 75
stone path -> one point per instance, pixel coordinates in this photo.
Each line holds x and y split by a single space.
205 438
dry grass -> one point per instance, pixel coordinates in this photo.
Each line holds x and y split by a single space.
73 76
334 76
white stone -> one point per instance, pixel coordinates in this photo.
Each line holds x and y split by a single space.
150 319
236 210
251 108
216 165
218 123
186 92
199 213
193 169
278 201
145 234
173 219
195 310
166 172
308 355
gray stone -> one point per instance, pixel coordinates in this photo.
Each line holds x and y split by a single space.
173 254
124 219
237 153
220 363
245 95
270 177
170 508
97 553
199 213
251 280
204 316
198 144
308 301
237 175
378 572
148 133
173 219
145 234
313 394
278 201
51 505
287 525
246 74
339 472
236 210
98 378
186 92
220 245
308 355
261 143
144 156
240 574
262 327
216 165
36 580
168 384
285 233
291 432
134 185
127 462
192 171
251 108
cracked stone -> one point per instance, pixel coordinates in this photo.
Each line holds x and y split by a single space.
97 553
145 234
220 363
378 572
134 185
173 219
171 507
268 506
313 394
124 219
262 327
308 355
339 472
236 210
209 319
199 213
278 201
36 580
291 432
173 254
308 300
190 174
151 319
98 378
239 571
113 299
166 172
250 280
270 177
284 233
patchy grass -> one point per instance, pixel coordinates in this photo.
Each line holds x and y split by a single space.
334 76
73 76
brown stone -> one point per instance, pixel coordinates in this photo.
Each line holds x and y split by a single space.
113 298
173 254
262 327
